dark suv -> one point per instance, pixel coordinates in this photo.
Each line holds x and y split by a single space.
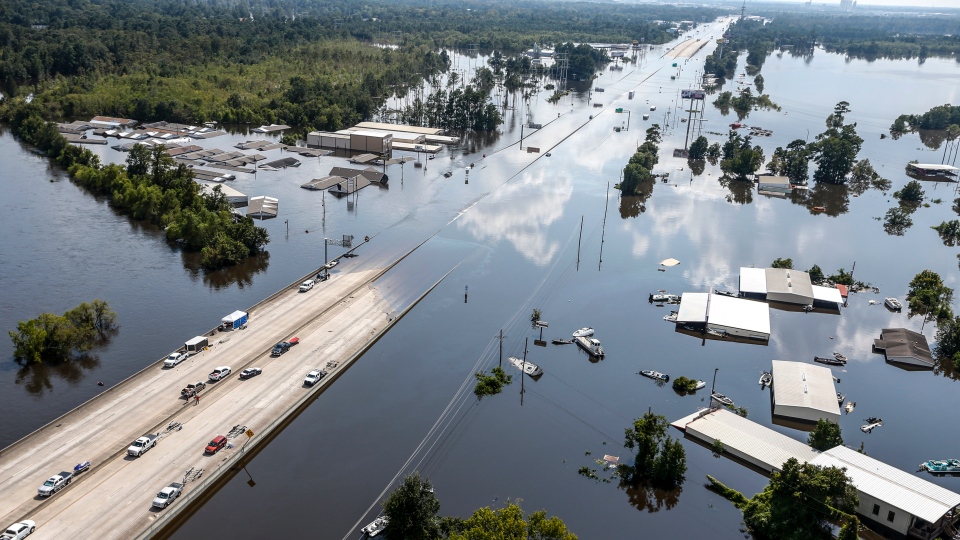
280 348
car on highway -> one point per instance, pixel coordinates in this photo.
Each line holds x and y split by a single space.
314 377
175 358
284 346
141 445
193 389
250 372
20 530
215 445
307 285
219 373
55 483
167 495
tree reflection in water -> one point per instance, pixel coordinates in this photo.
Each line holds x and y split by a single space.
643 496
741 191
697 166
37 377
632 206
240 275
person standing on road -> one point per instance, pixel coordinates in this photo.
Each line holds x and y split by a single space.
196 399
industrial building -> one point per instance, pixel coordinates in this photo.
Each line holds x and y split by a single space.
355 140
936 170
787 286
891 500
234 197
902 346
803 392
725 315
774 184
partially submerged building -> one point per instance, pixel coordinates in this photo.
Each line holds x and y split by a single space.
933 171
803 392
902 346
725 315
787 286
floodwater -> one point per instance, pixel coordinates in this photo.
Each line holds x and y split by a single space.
508 234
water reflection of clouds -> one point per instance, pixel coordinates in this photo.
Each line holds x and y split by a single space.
521 212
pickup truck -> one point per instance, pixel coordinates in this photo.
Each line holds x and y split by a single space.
192 389
19 531
141 445
55 483
167 495
174 359
284 346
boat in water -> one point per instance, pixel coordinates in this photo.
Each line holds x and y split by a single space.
941 466
586 331
871 424
663 296
893 304
840 398
656 375
559 341
591 345
850 406
722 399
839 357
829 361
529 368
672 317
724 293
700 385
375 527
766 378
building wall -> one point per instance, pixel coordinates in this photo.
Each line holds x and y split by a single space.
901 518
789 298
907 360
805 414
738 331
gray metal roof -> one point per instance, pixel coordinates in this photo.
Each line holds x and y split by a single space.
788 281
919 497
764 446
796 384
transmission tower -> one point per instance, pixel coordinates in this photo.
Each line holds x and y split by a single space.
562 61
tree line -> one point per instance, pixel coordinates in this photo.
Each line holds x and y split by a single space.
150 187
57 338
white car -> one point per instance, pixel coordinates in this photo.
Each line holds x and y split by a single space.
314 377
307 285
175 358
167 495
20 530
219 373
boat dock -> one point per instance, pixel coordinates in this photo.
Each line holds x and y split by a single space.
116 493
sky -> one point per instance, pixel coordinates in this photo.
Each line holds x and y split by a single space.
902 3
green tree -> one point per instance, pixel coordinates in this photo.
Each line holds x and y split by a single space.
492 384
56 338
896 221
698 150
659 458
948 341
758 81
835 151
412 510
799 502
782 263
816 274
912 193
509 524
930 297
739 158
825 435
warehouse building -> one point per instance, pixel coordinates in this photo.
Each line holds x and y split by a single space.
803 392
725 315
902 346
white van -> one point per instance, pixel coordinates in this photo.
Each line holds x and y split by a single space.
307 285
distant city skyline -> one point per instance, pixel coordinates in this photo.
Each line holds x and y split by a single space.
926 4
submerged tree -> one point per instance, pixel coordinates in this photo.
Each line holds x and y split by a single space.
57 338
659 458
740 159
825 435
930 297
835 150
412 510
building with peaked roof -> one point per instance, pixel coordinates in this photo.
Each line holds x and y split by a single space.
892 499
902 346
803 392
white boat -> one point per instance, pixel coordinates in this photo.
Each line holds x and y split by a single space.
700 385
591 345
375 527
586 331
893 304
656 375
722 399
766 378
672 317
871 424
663 296
840 398
850 406
529 368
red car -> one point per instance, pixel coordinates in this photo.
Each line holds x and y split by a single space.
215 445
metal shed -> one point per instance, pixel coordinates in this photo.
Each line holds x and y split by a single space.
804 392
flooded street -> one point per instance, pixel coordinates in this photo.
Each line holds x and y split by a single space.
508 234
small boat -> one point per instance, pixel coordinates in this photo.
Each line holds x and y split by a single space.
818 209
893 304
81 467
591 345
850 406
662 296
722 399
871 424
839 356
700 385
840 398
331 264
672 317
559 341
375 527
941 466
529 368
716 333
724 293
766 379
656 375
586 331
829 361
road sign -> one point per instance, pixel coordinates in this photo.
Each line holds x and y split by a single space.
250 433
619 109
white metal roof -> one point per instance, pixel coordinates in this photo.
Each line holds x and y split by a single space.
227 191
693 308
753 280
749 438
738 313
196 341
774 180
796 384
903 490
827 294
399 127
932 166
